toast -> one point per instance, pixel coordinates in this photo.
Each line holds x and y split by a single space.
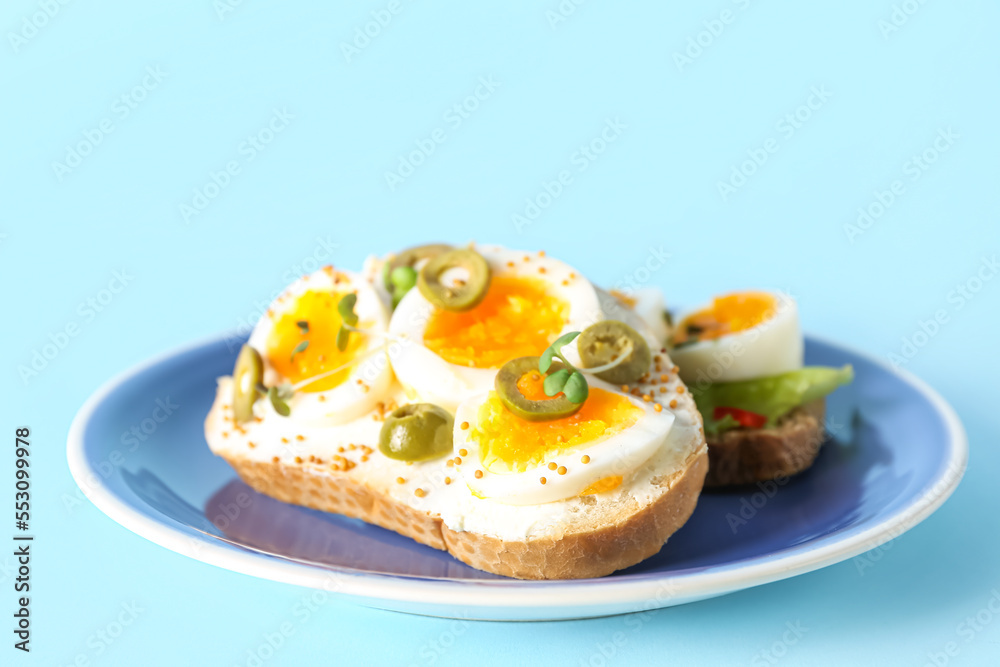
579 537
397 417
745 456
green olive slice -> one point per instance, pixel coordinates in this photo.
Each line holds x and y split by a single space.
247 375
410 258
525 408
605 342
460 295
416 432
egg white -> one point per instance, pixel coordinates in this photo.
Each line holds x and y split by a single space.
617 454
429 378
772 347
368 381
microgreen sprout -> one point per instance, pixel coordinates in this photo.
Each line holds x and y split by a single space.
301 347
347 314
278 396
567 380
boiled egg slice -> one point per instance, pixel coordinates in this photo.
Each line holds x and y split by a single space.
443 357
510 460
297 339
739 336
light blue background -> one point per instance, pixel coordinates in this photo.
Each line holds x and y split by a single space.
318 192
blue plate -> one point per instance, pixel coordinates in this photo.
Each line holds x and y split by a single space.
138 452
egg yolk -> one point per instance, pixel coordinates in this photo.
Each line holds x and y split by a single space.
517 318
312 319
600 486
508 443
727 314
531 386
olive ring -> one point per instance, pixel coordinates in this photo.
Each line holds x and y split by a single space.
462 295
525 408
605 342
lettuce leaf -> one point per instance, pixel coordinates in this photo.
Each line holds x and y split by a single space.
773 396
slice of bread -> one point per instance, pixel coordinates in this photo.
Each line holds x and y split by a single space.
580 537
745 456
595 546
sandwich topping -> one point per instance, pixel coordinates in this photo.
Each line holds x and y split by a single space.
742 355
498 389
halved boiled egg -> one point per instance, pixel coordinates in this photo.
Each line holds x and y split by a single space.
297 340
443 357
517 462
739 336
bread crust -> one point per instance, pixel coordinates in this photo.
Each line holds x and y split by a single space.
745 456
592 551
596 552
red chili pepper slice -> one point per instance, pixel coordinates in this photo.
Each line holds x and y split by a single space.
742 417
